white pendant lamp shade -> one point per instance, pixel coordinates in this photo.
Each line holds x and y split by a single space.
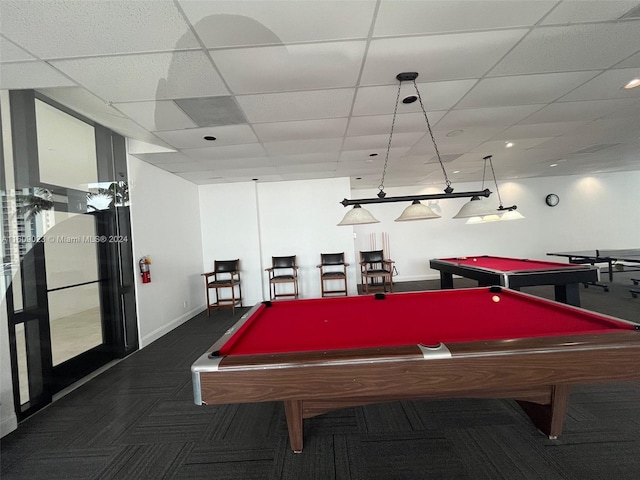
476 208
417 211
511 215
358 216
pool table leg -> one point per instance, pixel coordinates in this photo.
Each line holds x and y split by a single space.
293 412
446 280
549 418
569 294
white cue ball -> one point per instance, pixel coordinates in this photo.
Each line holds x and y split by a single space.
495 298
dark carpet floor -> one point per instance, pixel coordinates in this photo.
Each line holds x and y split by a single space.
137 420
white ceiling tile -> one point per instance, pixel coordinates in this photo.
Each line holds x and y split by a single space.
632 62
402 18
300 130
438 57
31 75
290 67
193 137
239 163
364 156
591 11
539 130
226 152
11 53
322 145
305 158
523 89
576 111
162 158
435 96
70 29
486 117
497 147
146 77
232 23
381 124
182 167
574 47
376 142
607 85
282 107
323 169
156 116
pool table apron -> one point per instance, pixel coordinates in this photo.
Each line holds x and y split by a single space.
537 372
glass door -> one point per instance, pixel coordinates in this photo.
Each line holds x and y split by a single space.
66 243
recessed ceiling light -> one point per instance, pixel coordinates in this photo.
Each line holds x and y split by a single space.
553 165
358 178
456 171
409 99
633 83
254 179
455 133
373 154
508 144
209 138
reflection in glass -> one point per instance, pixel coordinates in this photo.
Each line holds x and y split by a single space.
76 322
21 350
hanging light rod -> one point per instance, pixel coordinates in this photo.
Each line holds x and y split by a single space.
410 198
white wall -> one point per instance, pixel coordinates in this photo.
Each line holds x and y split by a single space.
255 221
165 218
595 211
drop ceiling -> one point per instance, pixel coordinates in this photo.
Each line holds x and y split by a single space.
306 89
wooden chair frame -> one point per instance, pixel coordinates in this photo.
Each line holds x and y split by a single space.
278 264
225 274
328 272
373 266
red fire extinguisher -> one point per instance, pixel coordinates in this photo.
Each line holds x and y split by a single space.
145 272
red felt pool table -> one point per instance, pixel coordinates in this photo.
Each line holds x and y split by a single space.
319 355
518 272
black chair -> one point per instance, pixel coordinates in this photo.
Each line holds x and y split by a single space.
376 271
226 274
283 270
332 267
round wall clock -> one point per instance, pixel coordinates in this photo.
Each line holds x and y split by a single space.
552 199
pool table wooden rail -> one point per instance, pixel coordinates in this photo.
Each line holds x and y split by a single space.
535 371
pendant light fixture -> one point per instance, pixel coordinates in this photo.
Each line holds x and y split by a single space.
417 210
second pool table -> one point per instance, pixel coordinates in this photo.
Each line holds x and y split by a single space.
319 355
516 273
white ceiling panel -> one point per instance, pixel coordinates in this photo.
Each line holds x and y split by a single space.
607 85
11 53
71 29
146 77
282 107
435 96
402 18
232 23
381 124
589 11
156 116
226 152
290 67
523 89
306 129
578 111
437 57
193 137
486 117
31 75
321 145
294 86
574 47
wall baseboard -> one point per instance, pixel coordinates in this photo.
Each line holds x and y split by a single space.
156 334
8 425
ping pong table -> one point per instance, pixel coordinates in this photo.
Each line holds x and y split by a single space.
616 259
